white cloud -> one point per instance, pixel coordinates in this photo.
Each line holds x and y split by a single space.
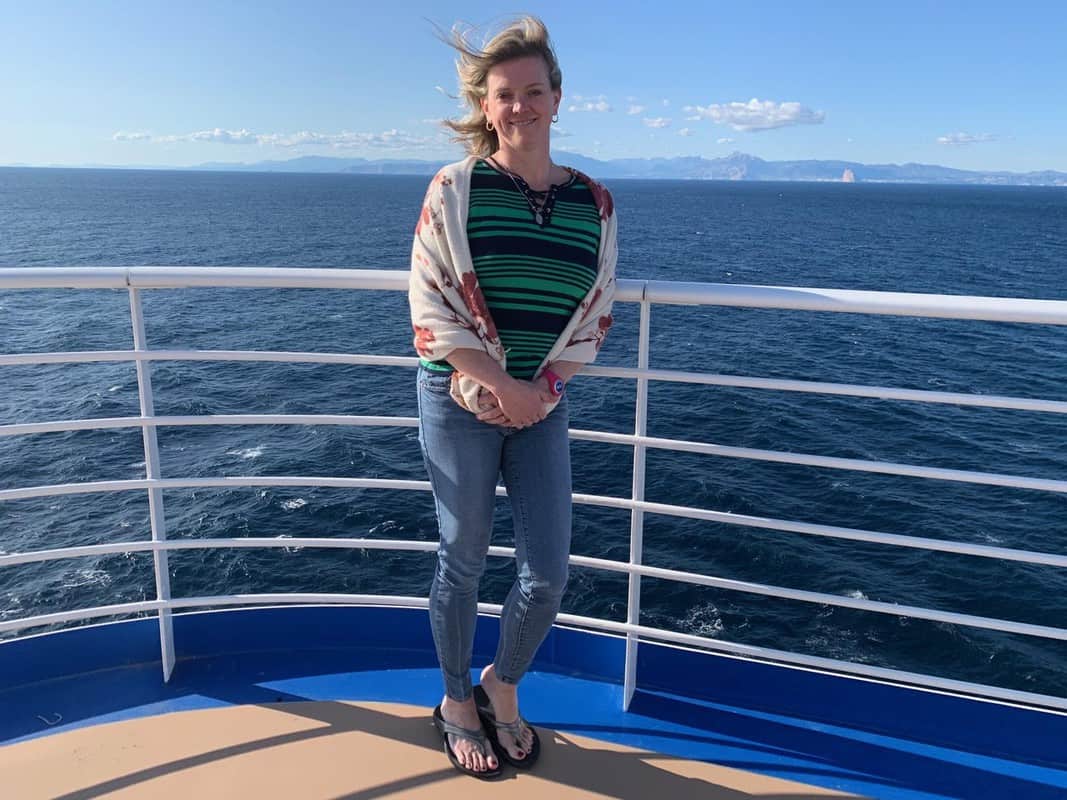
685 132
666 103
725 140
656 122
957 139
582 103
635 109
560 133
219 135
758 115
122 136
386 140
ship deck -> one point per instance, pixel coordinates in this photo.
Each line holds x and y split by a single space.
334 702
335 749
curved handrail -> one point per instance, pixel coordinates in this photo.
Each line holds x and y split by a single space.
798 298
135 279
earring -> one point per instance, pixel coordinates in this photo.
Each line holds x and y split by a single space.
489 126
555 117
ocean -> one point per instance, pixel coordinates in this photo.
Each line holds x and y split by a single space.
996 241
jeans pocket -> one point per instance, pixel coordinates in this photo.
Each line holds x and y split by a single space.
438 383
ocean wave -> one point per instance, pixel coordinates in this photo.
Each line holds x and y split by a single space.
251 452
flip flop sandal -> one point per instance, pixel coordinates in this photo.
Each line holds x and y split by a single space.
493 728
446 728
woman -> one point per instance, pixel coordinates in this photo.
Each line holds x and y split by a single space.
512 280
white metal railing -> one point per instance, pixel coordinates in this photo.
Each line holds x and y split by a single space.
646 293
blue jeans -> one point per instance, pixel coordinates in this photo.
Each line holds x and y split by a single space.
464 458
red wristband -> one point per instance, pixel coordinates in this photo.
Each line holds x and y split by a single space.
555 382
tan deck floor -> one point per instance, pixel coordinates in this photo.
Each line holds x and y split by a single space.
341 751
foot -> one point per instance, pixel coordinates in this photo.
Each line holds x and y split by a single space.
465 715
505 700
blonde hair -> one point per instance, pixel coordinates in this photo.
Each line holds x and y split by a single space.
526 36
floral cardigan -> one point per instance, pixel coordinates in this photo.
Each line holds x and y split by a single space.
448 310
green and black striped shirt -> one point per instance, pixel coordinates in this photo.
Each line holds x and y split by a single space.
533 277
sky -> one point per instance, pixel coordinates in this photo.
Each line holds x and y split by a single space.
974 85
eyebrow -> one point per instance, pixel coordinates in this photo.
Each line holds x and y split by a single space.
528 86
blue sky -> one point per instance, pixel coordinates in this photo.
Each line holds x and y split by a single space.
974 85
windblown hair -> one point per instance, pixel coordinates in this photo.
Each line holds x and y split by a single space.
527 36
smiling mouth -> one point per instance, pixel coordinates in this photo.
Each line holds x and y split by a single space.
523 123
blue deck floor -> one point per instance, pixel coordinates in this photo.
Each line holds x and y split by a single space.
948 758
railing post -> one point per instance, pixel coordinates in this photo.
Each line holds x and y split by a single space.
155 496
637 516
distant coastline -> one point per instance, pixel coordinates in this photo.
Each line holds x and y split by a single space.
734 167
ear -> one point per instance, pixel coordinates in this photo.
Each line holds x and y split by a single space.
558 94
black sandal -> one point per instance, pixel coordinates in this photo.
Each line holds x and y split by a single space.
445 728
494 726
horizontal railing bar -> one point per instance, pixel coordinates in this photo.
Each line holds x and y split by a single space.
149 277
676 445
821 598
837 389
730 649
119 356
27 428
252 542
829 531
95 612
282 598
959 548
963 548
799 298
673 376
828 462
851 301
662 375
93 487
816 663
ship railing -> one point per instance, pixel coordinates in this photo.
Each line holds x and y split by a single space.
648 293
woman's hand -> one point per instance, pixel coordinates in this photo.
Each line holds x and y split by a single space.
489 409
521 403
546 393
517 404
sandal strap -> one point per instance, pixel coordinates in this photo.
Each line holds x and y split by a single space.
476 736
514 728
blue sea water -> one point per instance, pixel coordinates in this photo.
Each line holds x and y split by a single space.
996 241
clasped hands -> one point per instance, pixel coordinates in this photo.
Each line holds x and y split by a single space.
516 404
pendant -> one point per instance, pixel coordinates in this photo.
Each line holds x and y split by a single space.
538 218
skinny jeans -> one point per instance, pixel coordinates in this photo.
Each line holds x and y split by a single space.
464 458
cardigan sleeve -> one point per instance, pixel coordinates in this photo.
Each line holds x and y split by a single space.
435 293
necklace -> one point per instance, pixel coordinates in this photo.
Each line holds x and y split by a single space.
541 207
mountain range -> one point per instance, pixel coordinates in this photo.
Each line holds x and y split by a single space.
734 167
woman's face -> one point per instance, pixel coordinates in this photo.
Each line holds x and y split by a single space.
520 102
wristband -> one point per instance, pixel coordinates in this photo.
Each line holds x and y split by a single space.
555 382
